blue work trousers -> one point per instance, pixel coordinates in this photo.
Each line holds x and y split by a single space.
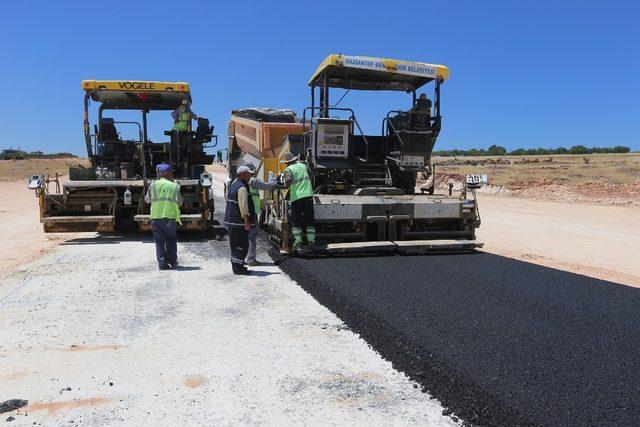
253 237
165 236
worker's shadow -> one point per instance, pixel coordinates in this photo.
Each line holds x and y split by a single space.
260 273
111 239
188 268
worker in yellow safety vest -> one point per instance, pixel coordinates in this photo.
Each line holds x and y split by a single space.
182 116
165 198
297 180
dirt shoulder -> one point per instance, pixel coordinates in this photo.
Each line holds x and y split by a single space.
22 237
597 241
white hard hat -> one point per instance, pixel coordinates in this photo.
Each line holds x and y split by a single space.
244 168
288 157
250 166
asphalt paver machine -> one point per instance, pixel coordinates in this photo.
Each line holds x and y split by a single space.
109 195
365 184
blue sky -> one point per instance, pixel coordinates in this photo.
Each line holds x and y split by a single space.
523 74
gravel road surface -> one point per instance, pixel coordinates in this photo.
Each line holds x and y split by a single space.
94 334
497 340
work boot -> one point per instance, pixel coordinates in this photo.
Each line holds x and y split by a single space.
243 272
316 246
238 268
163 266
302 249
174 265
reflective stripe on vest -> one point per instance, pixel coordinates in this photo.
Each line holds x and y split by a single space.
165 200
301 184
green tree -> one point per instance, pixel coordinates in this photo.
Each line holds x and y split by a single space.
579 149
620 149
496 150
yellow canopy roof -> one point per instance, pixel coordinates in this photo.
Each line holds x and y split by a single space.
137 94
368 73
134 86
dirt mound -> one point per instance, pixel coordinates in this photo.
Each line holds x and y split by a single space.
474 162
588 192
550 189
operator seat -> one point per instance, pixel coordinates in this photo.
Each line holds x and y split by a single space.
108 131
203 131
420 119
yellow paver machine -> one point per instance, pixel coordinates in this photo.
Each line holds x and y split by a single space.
365 184
109 195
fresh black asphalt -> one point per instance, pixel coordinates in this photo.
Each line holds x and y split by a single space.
497 341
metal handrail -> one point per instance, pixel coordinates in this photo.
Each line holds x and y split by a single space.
304 112
211 144
395 111
395 131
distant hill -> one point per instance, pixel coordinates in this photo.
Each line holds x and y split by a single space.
18 154
22 169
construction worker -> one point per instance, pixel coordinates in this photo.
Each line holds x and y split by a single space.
255 185
165 198
239 217
253 233
182 116
297 180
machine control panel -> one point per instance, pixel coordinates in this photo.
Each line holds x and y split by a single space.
332 138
